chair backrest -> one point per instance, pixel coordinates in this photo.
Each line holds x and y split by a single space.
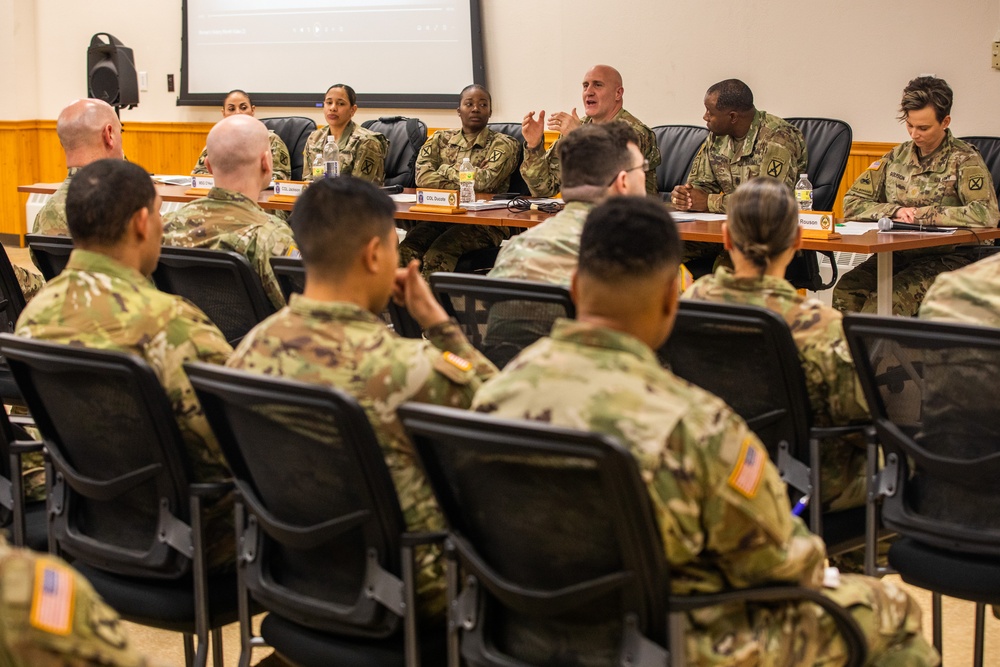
122 470
931 389
557 529
513 130
11 305
220 282
51 253
828 143
406 137
678 145
501 317
989 148
324 521
746 356
294 131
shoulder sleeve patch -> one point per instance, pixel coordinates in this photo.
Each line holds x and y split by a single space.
52 601
749 469
875 165
976 183
455 368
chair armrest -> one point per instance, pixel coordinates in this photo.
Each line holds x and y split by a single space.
416 539
834 431
26 446
22 420
210 490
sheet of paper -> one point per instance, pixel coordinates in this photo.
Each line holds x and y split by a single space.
168 179
854 227
404 198
682 216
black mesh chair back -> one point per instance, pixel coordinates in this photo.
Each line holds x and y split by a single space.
323 522
220 282
517 183
931 390
406 137
555 530
11 305
291 275
501 317
989 148
678 145
122 474
51 253
294 131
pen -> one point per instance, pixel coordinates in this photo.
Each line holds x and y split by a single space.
800 506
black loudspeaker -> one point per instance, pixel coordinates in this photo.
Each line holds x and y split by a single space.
111 72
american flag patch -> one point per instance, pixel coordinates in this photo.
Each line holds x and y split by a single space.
875 165
52 603
749 469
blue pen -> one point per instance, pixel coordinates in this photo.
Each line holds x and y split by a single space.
801 505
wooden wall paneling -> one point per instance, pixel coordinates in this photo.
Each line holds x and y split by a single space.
165 148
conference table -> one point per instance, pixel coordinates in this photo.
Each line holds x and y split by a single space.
881 244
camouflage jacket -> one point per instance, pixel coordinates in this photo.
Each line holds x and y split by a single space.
344 346
542 173
362 152
970 295
832 382
97 302
548 252
951 186
229 220
76 629
51 218
29 281
772 147
281 162
493 154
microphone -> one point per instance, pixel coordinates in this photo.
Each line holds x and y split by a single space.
391 189
887 225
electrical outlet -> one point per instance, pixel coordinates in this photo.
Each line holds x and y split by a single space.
170 83
996 55
143 82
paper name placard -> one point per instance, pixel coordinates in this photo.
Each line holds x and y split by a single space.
431 200
817 224
200 185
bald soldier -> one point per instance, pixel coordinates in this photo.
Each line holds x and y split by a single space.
602 103
721 507
331 335
229 217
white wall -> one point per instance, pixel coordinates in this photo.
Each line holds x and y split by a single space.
18 64
851 63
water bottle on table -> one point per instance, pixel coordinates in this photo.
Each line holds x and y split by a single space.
466 182
331 158
804 193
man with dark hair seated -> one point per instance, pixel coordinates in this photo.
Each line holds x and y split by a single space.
331 335
721 507
105 300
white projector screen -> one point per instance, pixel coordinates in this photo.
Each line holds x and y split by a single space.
394 53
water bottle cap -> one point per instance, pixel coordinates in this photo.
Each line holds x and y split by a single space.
803 175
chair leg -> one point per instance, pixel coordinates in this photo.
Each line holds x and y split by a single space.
188 649
217 648
936 619
977 650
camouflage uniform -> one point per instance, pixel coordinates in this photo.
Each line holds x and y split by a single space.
29 281
831 380
51 218
439 244
229 220
951 186
542 173
282 164
344 346
77 628
721 507
98 303
362 152
546 253
970 295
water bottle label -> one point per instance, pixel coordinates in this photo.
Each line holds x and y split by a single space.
804 195
332 169
466 177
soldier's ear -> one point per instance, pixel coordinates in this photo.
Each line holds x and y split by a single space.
727 240
370 254
140 223
946 122
208 165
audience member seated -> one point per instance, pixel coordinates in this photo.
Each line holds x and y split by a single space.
239 102
935 179
331 334
970 295
721 507
105 300
762 236
602 102
362 152
494 156
229 217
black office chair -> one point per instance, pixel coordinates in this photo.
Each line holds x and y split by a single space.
746 356
989 148
406 137
122 506
220 282
294 131
828 142
678 145
513 130
323 542
563 561
11 304
51 253
501 317
26 520
931 387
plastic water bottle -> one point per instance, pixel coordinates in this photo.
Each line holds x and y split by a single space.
318 169
331 158
804 193
466 182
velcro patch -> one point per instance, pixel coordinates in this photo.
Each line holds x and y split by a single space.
749 469
368 166
976 183
52 602
496 155
457 361
426 150
774 168
454 367
293 251
875 165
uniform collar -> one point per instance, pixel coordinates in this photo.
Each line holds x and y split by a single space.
331 310
95 262
724 277
232 197
591 335
480 140
746 146
936 161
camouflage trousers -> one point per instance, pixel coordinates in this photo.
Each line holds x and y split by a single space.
440 244
913 272
842 472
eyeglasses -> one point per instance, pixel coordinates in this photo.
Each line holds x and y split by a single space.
644 165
